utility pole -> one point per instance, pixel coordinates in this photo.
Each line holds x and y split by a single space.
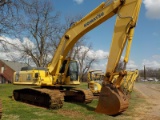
144 72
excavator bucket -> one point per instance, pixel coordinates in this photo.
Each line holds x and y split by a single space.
112 100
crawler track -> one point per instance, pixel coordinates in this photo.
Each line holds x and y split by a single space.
85 95
79 96
52 99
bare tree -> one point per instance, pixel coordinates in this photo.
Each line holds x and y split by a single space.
39 23
4 2
85 61
120 66
8 13
7 16
150 72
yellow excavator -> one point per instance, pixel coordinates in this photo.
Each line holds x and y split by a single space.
128 81
57 79
95 78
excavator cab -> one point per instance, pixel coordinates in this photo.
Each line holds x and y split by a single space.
73 71
71 75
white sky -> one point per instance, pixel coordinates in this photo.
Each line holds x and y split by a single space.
78 1
153 8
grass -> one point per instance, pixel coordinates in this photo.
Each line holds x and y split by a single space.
13 110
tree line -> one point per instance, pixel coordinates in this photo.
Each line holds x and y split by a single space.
150 73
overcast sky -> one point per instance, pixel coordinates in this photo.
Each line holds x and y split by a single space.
146 42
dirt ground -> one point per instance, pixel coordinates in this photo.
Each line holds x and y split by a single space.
151 93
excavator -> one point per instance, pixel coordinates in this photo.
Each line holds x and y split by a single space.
57 79
128 81
95 77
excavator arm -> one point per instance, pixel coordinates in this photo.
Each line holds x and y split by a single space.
112 99
123 32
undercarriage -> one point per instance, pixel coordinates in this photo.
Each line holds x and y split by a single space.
52 98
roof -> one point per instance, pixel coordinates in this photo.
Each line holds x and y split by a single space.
16 66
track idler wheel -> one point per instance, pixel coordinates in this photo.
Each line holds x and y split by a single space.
112 100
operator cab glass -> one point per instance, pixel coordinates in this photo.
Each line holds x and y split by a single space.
72 69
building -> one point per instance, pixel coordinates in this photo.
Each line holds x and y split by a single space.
7 69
